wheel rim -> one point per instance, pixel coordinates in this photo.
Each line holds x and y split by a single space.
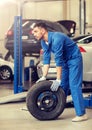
5 74
47 101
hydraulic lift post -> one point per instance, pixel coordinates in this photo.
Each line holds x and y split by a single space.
18 65
18 55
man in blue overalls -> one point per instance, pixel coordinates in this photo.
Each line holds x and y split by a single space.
69 65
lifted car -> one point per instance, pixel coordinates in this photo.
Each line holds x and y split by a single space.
30 45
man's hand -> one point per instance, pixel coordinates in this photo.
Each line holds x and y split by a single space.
41 79
55 85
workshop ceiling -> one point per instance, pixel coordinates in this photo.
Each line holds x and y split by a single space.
26 1
41 0
44 0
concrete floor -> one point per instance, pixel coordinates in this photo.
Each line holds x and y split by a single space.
13 118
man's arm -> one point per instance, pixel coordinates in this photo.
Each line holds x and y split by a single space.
56 83
58 68
59 71
45 70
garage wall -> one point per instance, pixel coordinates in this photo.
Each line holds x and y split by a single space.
7 13
6 18
73 13
42 10
53 10
89 16
56 10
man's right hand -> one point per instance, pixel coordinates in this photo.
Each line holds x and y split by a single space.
55 85
41 79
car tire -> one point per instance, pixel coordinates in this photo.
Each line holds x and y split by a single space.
42 103
6 73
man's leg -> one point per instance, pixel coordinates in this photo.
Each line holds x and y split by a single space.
75 81
65 80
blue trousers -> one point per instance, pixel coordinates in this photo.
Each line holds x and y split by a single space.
72 77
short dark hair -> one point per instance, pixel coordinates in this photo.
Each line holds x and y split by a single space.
40 24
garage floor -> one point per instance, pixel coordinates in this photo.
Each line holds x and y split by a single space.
12 117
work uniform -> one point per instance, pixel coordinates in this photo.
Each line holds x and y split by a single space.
68 56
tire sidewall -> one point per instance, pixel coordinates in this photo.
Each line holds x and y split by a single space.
31 101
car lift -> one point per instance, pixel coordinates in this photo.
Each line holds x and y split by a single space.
18 55
19 93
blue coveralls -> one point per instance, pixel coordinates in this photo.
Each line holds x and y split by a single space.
68 56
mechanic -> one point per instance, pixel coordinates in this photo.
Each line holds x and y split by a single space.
69 65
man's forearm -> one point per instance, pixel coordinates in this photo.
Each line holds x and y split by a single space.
59 72
45 70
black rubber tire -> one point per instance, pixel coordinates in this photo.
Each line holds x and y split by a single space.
44 104
5 73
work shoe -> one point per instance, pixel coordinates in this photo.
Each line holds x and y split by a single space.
80 118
